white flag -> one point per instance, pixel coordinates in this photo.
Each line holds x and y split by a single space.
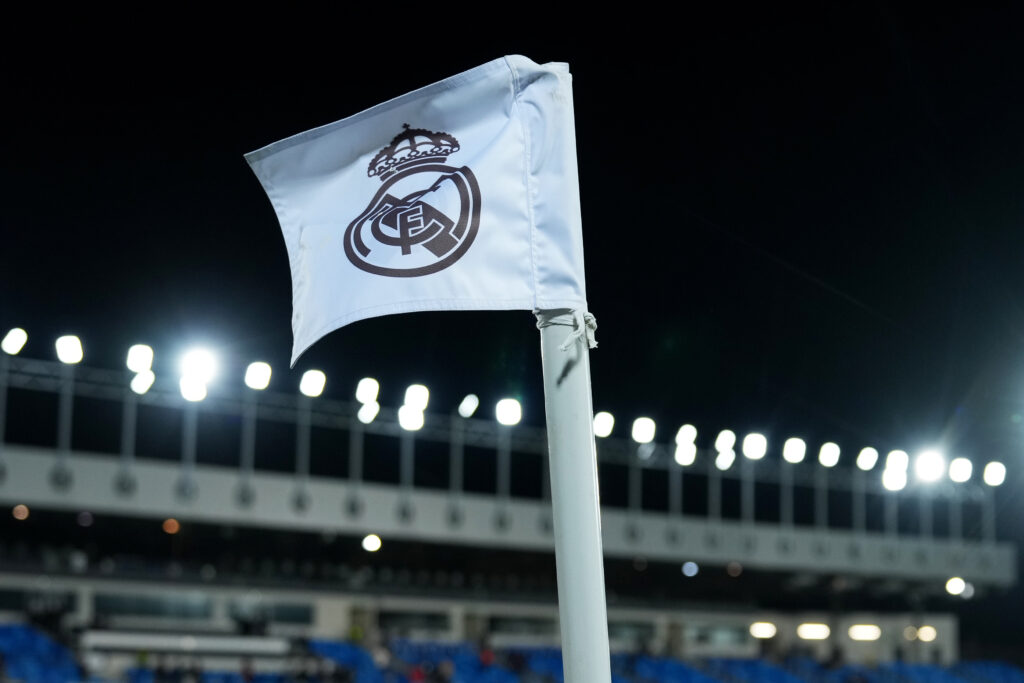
462 195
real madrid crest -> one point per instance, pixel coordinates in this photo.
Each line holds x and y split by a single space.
426 214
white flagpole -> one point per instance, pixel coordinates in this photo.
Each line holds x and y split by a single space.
574 497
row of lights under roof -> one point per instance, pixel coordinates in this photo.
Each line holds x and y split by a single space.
199 367
859 632
929 465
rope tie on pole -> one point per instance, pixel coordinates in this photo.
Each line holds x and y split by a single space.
584 325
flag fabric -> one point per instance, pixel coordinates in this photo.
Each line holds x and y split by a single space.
461 195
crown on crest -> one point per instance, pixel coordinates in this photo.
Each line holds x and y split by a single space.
412 144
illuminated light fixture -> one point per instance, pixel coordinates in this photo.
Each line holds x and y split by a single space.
725 459
312 383
604 422
994 473
690 569
725 440
686 454
867 458
763 629
686 434
643 430
828 456
897 460
910 633
894 479
257 375
929 466
410 419
794 450
367 390
865 632
69 349
192 388
20 512
372 543
811 631
199 364
469 405
171 526
927 633
367 412
968 591
14 341
755 446
955 586
417 397
960 470
140 358
508 412
141 382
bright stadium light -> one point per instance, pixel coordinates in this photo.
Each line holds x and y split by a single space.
725 440
755 446
690 569
604 422
312 383
141 382
410 418
955 586
865 632
199 364
192 388
794 450
469 405
927 633
763 629
725 459
929 466
811 631
140 358
367 390
69 349
994 473
894 479
828 456
687 434
372 543
867 458
643 430
686 454
367 412
417 397
257 375
897 460
960 470
13 341
508 412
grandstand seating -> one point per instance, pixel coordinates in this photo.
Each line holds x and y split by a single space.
32 656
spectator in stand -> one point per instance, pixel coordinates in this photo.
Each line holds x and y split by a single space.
444 673
486 653
247 672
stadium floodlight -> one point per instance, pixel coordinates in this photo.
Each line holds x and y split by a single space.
794 450
367 390
828 456
192 388
312 383
725 440
811 631
140 358
687 434
469 405
865 632
910 633
960 470
409 418
643 430
894 479
927 633
604 422
13 341
725 459
257 375
968 591
897 460
20 512
372 543
867 458
763 629
367 412
417 397
690 569
929 466
755 446
994 473
955 586
686 454
508 412
69 349
199 364
141 382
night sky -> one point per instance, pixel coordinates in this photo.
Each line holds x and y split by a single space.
800 222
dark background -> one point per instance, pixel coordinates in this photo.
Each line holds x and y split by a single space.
800 221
